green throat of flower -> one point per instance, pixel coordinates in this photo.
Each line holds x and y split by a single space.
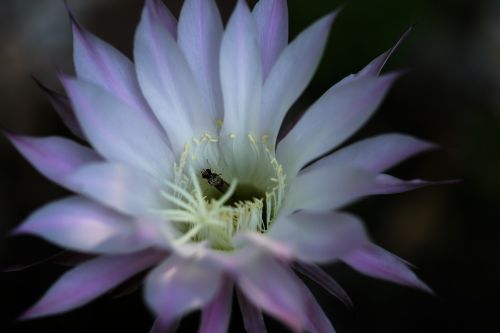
224 185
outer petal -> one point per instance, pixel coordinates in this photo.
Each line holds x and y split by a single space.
331 120
82 225
241 73
271 19
325 188
319 237
271 287
322 278
216 315
125 189
376 65
98 62
167 81
54 157
291 74
90 280
200 34
252 316
179 286
318 321
374 261
377 153
63 108
386 184
117 131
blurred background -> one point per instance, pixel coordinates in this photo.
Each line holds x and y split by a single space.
450 96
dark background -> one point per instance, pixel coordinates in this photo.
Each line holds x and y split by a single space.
450 96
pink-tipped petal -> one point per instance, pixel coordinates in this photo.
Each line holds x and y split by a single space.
318 321
386 184
272 288
82 225
374 261
322 278
125 189
271 20
161 326
63 108
100 63
241 73
200 34
333 118
216 315
292 73
117 131
320 237
166 80
54 157
90 280
179 286
324 188
377 153
253 319
376 65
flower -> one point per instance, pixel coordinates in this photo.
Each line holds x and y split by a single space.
185 175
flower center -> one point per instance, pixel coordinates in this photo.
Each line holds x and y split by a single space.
223 185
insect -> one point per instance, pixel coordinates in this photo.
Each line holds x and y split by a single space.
215 180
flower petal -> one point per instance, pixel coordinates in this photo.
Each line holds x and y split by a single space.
271 20
125 189
160 327
324 188
319 237
216 315
377 153
386 184
318 321
90 280
179 286
241 73
54 157
374 261
292 73
322 278
99 63
167 81
271 287
331 120
200 34
253 318
82 225
63 108
117 131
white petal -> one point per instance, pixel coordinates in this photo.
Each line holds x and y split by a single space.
241 73
98 62
319 237
117 131
374 261
89 280
199 37
377 153
324 188
331 120
271 19
274 289
82 225
167 82
179 286
54 157
125 189
292 73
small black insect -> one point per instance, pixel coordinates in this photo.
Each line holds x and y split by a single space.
215 180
